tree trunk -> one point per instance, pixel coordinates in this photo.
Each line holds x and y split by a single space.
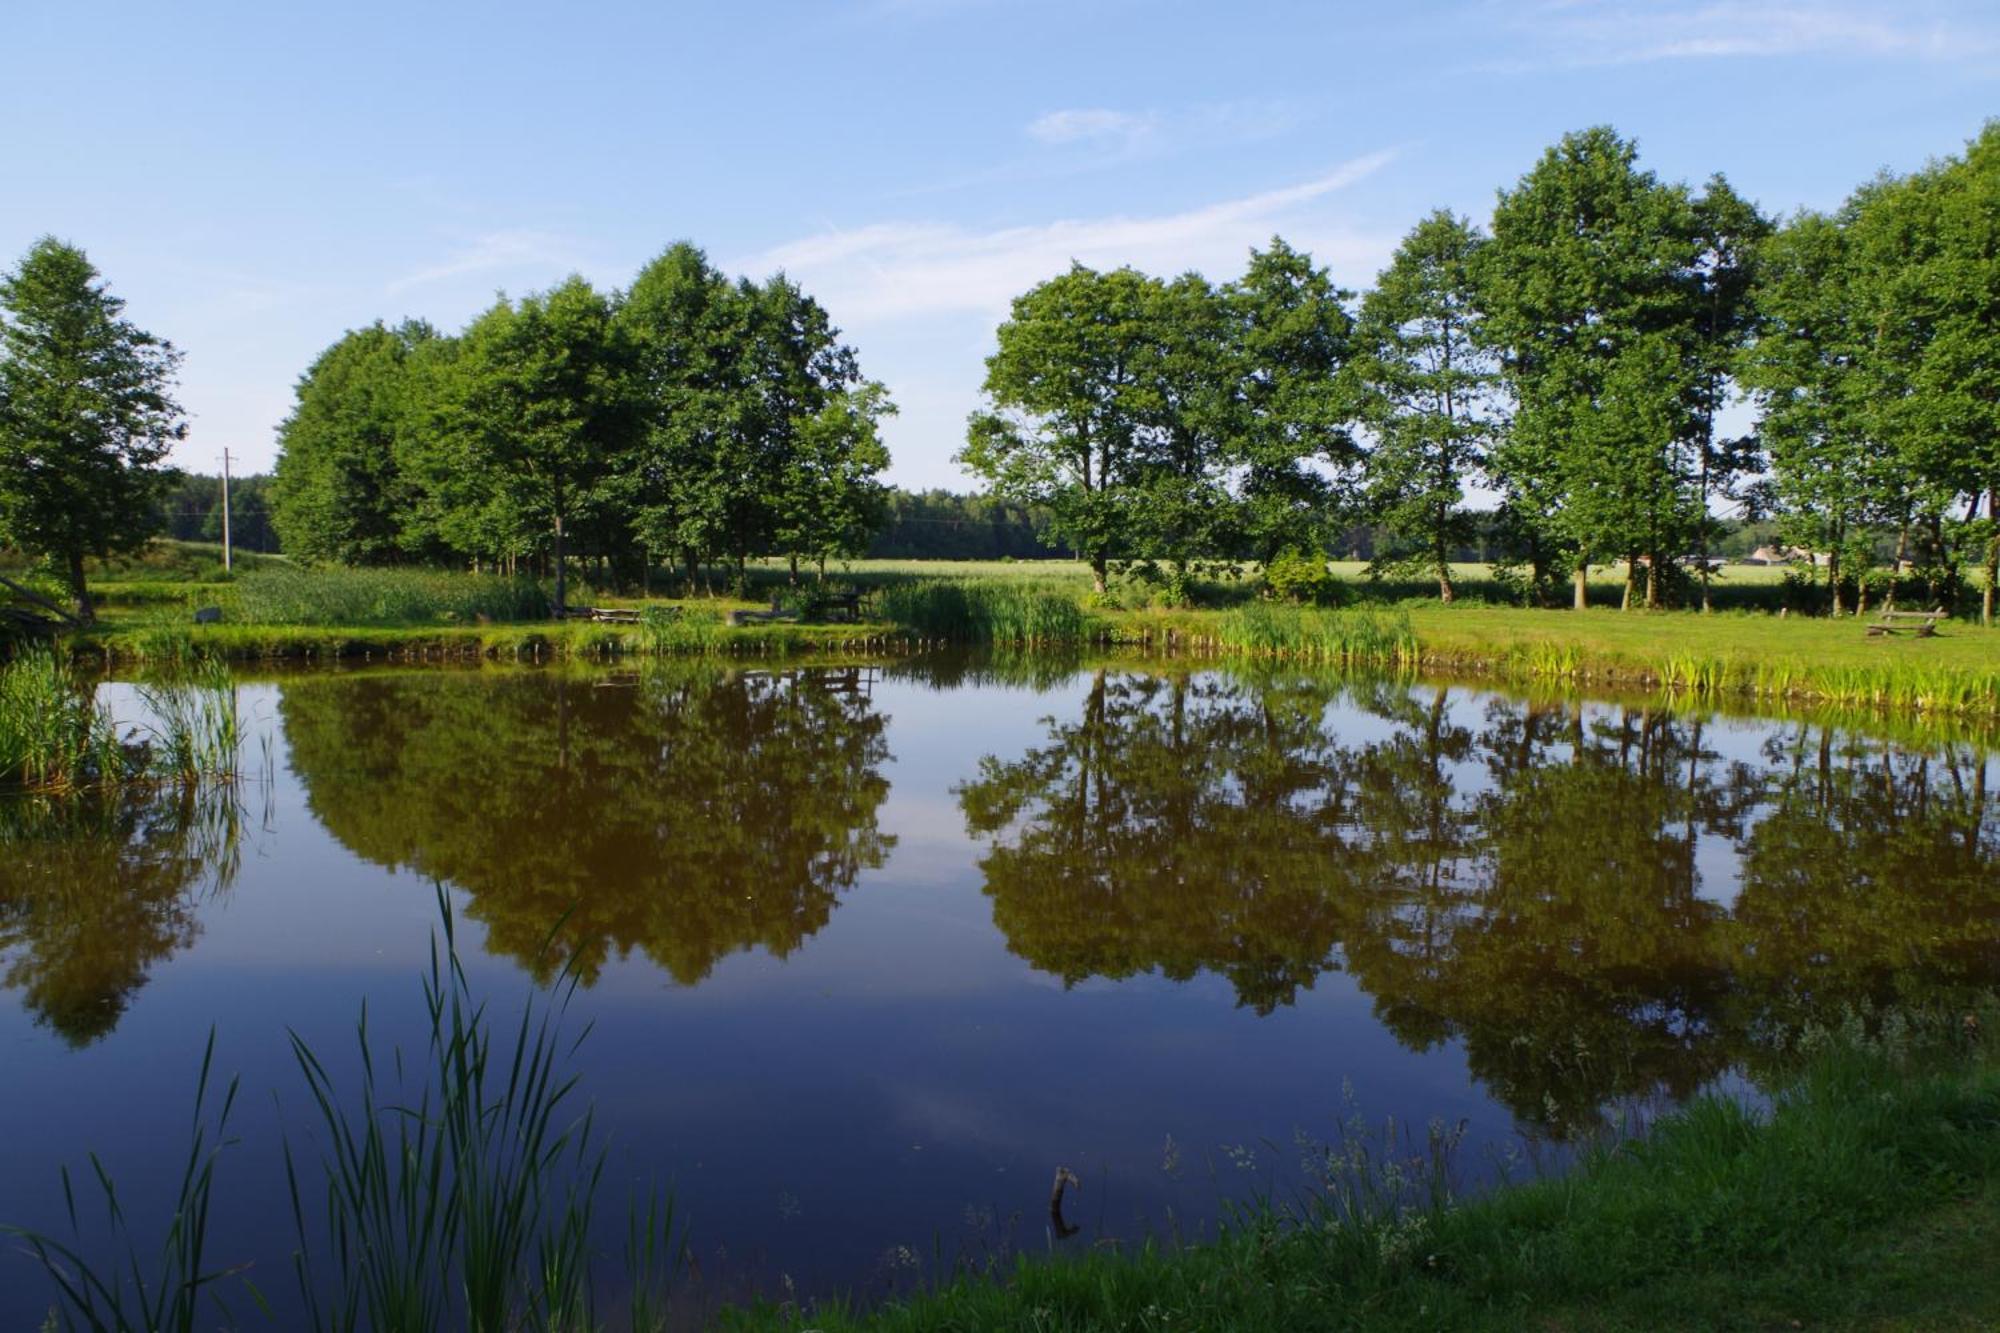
1097 574
79 589
561 572
1653 581
1833 577
1992 559
1582 588
795 569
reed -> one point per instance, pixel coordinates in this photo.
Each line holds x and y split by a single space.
455 1191
1356 637
287 595
955 611
171 1292
54 735
681 630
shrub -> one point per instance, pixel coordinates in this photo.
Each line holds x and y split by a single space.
1301 576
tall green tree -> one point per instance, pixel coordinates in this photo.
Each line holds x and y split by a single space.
1187 382
1956 386
1294 342
546 404
1809 373
1589 291
1429 392
87 415
830 501
1066 408
340 493
688 332
800 371
1730 231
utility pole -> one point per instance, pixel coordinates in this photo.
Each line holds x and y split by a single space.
227 564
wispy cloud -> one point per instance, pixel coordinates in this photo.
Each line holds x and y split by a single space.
1089 123
895 270
1583 33
519 251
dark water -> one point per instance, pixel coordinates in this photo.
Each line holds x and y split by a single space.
870 952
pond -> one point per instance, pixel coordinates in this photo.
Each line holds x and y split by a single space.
866 953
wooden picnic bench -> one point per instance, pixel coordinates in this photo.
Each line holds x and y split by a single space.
610 615
1922 624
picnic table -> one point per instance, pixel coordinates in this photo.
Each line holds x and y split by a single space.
1922 624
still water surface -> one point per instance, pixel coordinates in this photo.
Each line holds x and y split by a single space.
869 952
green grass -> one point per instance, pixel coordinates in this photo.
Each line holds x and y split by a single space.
285 595
161 560
1856 1201
414 615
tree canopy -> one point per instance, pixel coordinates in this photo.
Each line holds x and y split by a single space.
87 415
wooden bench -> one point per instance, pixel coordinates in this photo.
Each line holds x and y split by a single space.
609 615
1922 624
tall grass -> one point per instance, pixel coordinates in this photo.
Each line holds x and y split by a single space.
288 595
56 737
466 1200
687 629
170 1293
1306 634
1004 613
455 1191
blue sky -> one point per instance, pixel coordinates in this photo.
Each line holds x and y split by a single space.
256 178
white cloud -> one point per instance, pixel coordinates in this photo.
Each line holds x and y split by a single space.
542 253
920 300
1581 33
1089 123
900 270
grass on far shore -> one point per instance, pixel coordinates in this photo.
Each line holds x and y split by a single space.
279 612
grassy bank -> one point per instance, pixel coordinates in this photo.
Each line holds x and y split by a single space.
280 614
1868 1196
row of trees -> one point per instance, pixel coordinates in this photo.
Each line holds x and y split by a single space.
1574 361
687 417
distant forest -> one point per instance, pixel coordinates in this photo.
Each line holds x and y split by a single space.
919 525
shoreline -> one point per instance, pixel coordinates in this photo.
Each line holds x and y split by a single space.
1761 660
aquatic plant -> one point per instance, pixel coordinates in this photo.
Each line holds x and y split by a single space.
1307 634
56 737
957 611
458 1191
670 630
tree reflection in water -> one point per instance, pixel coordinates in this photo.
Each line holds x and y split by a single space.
1527 886
682 811
98 886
